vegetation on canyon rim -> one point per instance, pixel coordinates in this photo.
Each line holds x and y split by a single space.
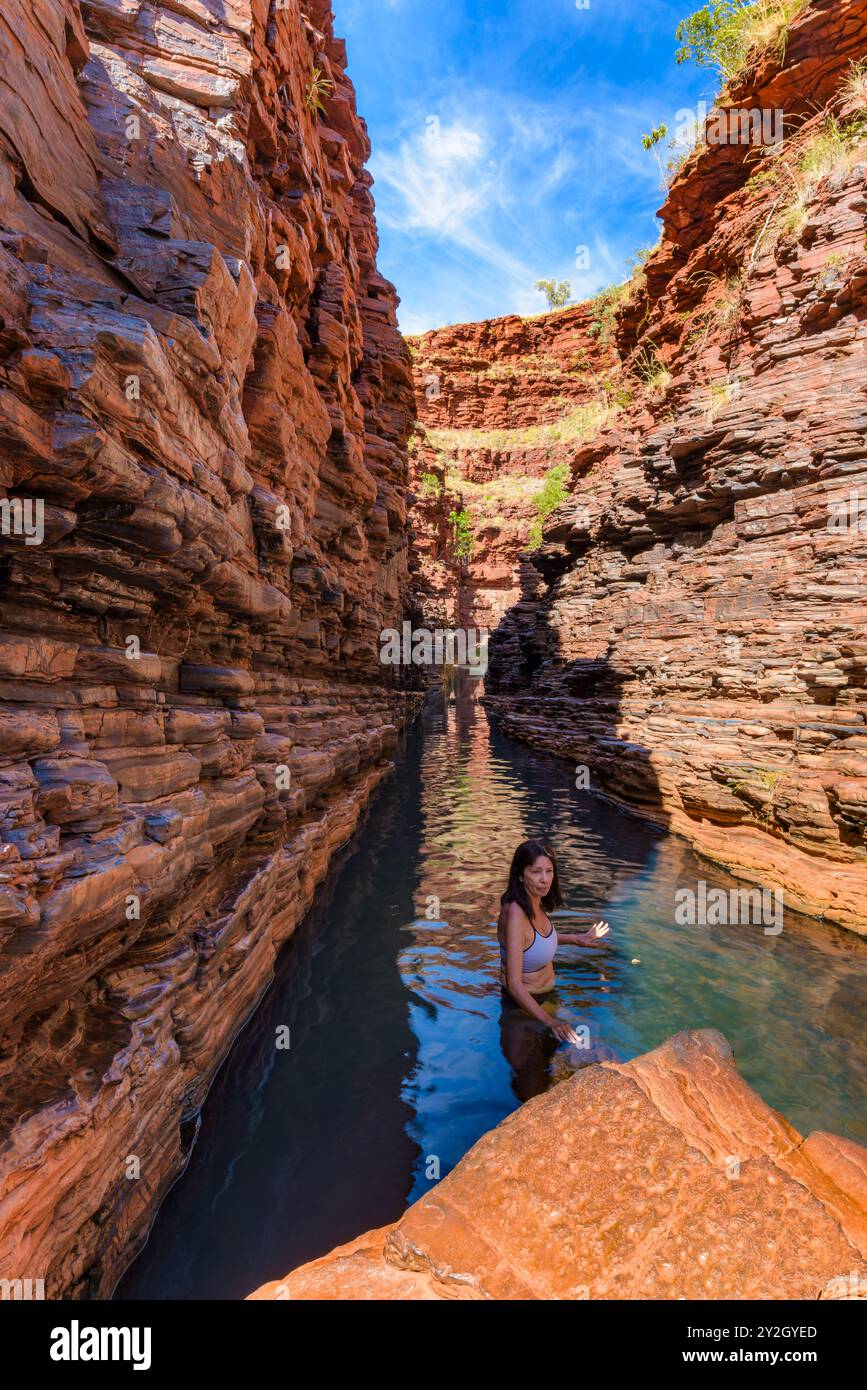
576 425
728 35
829 153
557 293
607 302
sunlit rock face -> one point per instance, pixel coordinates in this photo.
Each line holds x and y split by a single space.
501 406
204 409
691 630
661 1178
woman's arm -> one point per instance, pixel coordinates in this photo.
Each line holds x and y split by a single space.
588 938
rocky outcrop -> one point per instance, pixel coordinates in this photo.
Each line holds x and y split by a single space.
661 1178
204 408
692 629
500 405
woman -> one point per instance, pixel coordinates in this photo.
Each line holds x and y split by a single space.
529 940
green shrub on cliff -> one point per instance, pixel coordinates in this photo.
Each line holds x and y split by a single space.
615 392
608 302
726 34
462 533
318 87
677 157
605 306
550 495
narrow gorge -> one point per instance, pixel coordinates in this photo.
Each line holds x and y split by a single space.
226 475
204 385
691 628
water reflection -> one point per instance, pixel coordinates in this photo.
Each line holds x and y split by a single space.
400 1059
792 1006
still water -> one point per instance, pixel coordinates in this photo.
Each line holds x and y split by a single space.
400 1056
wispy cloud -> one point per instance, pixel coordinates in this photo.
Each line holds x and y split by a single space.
519 190
506 136
437 176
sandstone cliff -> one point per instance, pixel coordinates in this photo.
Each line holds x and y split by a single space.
204 408
692 628
500 407
661 1178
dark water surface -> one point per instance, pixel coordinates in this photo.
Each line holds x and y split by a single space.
389 987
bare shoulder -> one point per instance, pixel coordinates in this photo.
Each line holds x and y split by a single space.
513 920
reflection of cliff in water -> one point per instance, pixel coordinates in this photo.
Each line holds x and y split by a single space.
299 1150
391 992
481 795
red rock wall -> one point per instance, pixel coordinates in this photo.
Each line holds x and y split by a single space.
692 630
490 400
202 383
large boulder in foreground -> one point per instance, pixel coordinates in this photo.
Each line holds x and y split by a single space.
663 1177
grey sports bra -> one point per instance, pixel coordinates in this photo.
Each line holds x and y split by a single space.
539 953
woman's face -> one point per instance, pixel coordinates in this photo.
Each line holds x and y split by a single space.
539 876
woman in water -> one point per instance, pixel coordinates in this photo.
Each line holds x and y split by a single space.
528 942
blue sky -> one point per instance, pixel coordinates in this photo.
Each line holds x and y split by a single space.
506 135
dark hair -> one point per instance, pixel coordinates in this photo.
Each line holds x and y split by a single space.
525 855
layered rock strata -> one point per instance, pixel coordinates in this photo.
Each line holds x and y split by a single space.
500 407
661 1178
692 631
204 409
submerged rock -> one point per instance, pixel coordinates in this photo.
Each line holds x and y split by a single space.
661 1178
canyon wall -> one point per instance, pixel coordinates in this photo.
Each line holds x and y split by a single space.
204 410
500 405
661 1178
691 629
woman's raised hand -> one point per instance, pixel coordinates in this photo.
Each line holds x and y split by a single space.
596 932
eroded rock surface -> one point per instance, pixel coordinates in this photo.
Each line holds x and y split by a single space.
204 408
663 1177
500 407
692 630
